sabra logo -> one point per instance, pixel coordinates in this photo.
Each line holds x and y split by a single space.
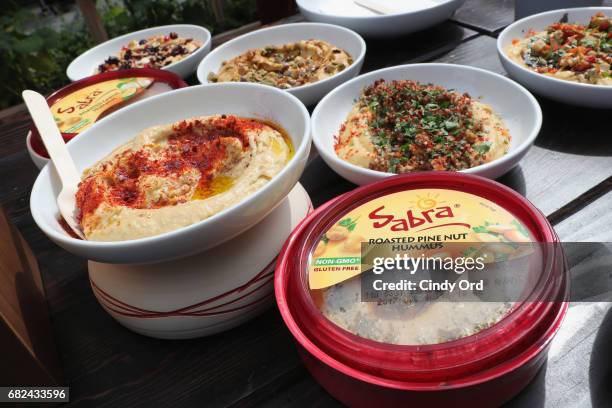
411 220
83 103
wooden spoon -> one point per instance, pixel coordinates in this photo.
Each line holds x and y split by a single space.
56 147
393 6
375 6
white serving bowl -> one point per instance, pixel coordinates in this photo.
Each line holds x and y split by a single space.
369 24
87 63
309 94
39 161
519 110
574 93
249 100
206 293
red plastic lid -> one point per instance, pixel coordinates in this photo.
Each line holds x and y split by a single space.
79 105
528 322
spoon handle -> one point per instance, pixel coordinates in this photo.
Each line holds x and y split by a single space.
49 133
374 6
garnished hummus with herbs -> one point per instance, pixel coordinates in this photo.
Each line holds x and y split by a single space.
175 175
404 126
573 52
285 66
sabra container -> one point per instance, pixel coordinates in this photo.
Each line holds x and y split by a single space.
365 356
78 106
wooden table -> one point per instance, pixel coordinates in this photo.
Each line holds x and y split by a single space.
567 174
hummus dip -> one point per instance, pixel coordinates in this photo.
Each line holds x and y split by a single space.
404 126
175 175
406 321
285 66
154 52
572 52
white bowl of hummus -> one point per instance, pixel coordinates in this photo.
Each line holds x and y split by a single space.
306 59
177 48
179 173
404 17
424 117
563 55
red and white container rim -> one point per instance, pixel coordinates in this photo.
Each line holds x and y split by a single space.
484 356
167 77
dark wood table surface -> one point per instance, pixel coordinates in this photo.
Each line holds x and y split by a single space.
567 174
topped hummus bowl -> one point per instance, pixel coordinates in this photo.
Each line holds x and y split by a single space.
177 48
179 173
564 55
305 59
423 117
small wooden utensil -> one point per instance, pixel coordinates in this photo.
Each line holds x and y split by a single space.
395 6
375 6
56 147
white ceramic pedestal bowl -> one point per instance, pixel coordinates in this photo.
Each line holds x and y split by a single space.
247 100
205 293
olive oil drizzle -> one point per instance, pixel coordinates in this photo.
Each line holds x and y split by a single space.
221 184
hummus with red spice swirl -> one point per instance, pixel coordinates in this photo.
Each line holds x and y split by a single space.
404 126
175 175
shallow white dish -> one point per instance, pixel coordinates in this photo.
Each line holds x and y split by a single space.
249 100
309 94
519 110
206 293
587 95
87 63
345 13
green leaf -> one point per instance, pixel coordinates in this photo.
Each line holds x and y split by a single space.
50 37
345 222
444 104
480 229
451 124
471 251
42 63
29 45
483 148
348 223
393 163
501 257
520 227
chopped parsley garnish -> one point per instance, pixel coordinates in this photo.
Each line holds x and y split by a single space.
483 148
422 127
349 223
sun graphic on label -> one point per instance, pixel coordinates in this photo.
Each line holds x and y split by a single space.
427 202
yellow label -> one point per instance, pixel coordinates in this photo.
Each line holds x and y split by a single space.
411 218
78 111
